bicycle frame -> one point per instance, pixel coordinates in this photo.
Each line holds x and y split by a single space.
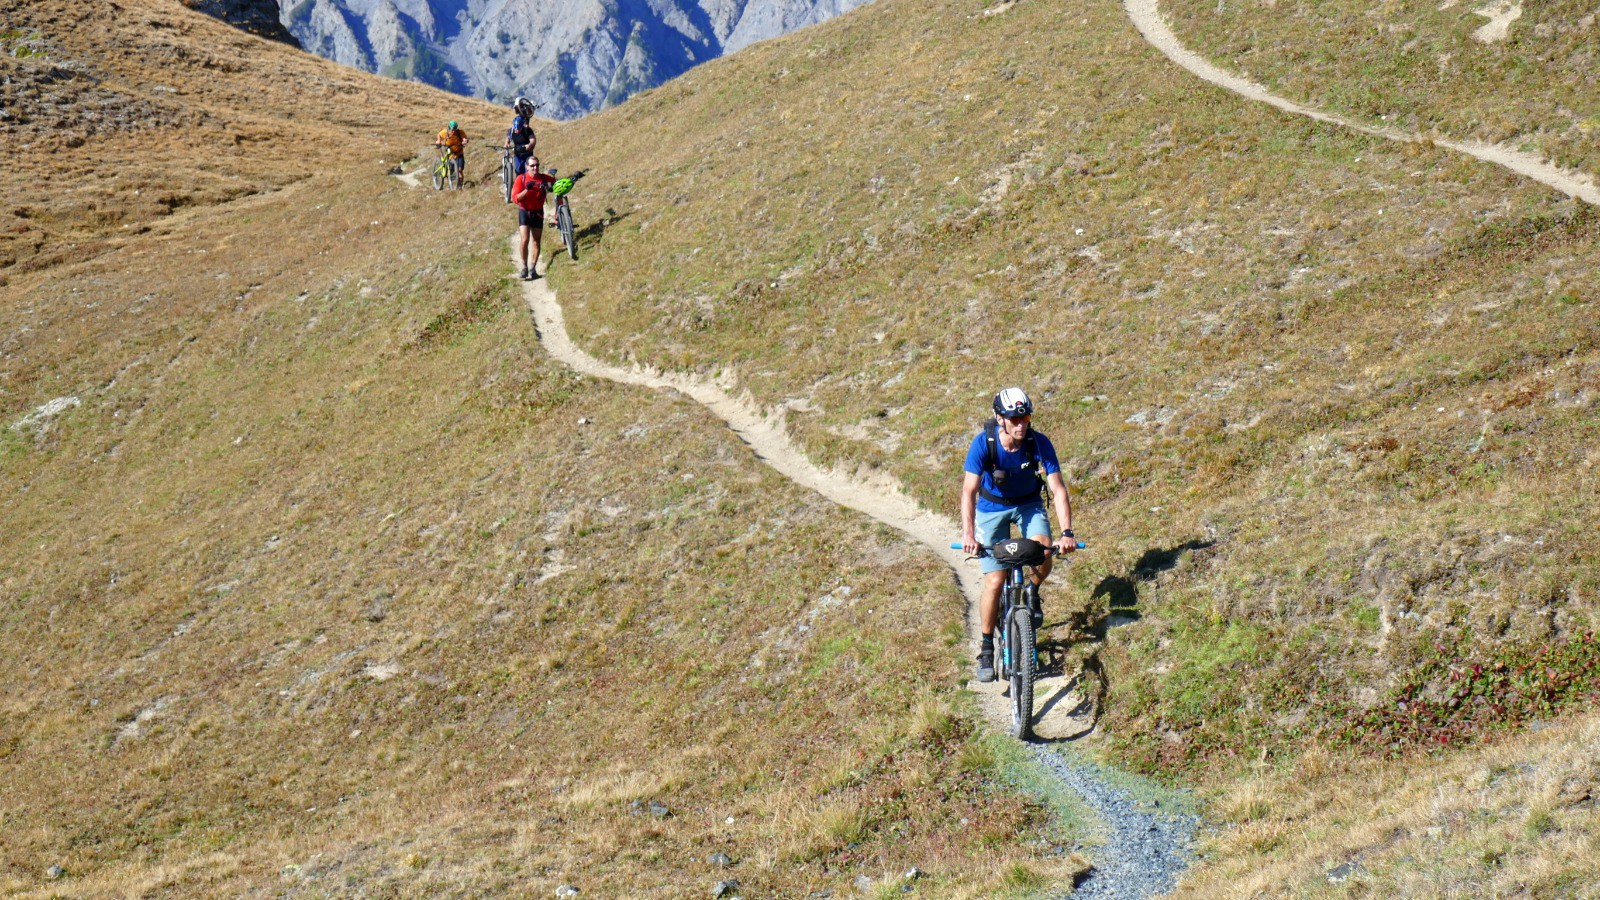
1016 649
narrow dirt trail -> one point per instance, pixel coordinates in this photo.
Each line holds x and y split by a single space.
1143 852
1146 16
1059 710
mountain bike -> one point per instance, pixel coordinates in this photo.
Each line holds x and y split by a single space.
1015 633
508 171
564 216
447 171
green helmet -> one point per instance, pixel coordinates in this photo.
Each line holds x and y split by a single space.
452 126
561 186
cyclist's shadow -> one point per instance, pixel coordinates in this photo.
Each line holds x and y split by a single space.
1091 683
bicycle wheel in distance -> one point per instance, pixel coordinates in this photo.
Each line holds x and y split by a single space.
507 175
564 222
1020 643
438 177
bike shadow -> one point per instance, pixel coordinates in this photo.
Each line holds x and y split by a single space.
1090 684
592 234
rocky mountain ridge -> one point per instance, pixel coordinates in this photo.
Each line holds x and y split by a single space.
255 16
570 57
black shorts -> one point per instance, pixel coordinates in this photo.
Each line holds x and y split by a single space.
531 218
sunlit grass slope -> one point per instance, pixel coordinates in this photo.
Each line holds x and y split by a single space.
319 578
1328 401
1424 66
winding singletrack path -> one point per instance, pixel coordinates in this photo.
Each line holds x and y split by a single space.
1146 16
1060 711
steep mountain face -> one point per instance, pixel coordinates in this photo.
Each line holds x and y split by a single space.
255 16
570 57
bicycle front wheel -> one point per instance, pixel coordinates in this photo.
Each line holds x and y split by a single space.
564 222
507 176
438 178
1022 650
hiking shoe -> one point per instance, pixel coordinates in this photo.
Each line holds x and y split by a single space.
1030 593
533 274
523 274
985 671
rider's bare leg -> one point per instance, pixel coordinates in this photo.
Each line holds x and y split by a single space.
989 601
1042 570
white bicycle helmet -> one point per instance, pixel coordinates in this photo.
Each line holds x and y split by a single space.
1012 403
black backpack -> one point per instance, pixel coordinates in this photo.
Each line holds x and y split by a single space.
1032 466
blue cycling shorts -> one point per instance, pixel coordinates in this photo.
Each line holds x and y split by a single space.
994 527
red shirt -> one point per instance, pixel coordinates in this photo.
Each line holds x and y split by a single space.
536 186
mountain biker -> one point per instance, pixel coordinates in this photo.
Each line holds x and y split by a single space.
1006 466
520 138
455 139
528 193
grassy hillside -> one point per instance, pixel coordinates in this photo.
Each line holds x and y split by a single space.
1422 66
1328 400
313 583
318 577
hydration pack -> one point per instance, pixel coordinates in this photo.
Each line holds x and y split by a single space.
521 135
1032 467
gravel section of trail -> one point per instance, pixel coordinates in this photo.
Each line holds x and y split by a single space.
1147 846
1146 17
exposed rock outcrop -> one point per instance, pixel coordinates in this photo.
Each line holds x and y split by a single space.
260 17
571 57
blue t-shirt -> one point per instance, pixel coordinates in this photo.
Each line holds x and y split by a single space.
1018 483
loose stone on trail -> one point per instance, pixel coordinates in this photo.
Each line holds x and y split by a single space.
719 859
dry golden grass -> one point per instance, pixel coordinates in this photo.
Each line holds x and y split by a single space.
318 588
1514 819
1419 66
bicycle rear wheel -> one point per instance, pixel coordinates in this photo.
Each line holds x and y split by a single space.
1021 649
457 169
564 222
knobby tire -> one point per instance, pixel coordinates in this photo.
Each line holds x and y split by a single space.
507 174
564 222
438 177
1020 644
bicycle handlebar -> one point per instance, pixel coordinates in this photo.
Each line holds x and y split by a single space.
986 551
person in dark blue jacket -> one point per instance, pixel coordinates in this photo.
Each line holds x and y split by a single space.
520 137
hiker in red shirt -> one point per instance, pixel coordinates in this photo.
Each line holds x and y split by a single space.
528 193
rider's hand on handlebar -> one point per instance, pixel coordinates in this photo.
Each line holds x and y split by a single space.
969 545
1066 544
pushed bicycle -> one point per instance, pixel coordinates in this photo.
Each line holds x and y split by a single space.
508 171
447 171
1016 631
560 189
